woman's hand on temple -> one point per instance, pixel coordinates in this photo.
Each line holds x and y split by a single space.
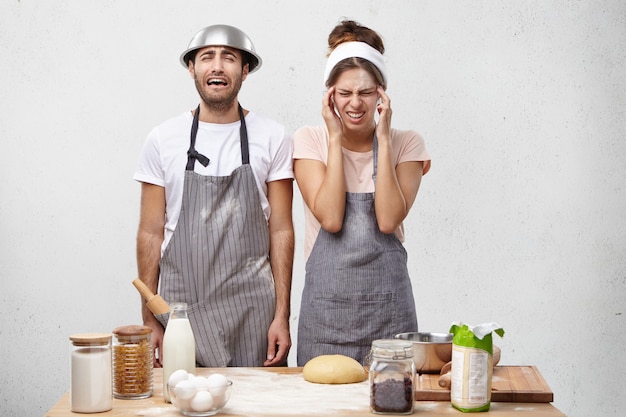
384 115
332 120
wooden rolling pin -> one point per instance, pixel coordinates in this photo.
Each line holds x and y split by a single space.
444 376
155 303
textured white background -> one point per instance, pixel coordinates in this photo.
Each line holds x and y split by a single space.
522 219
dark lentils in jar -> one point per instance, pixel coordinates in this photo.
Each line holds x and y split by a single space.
392 396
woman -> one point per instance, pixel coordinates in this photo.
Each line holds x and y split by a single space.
358 179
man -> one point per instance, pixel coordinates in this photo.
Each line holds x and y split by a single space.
215 227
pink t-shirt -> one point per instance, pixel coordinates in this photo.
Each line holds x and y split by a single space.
312 143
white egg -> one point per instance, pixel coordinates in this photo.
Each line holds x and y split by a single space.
201 383
176 377
185 389
202 401
182 404
217 384
219 400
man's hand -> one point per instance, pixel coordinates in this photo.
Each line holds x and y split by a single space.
279 343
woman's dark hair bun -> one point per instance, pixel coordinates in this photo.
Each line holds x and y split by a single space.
351 31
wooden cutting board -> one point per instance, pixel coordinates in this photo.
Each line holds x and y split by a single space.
510 384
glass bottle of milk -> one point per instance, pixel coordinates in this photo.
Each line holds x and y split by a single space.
179 345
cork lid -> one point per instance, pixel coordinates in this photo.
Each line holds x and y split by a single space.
132 333
90 339
132 330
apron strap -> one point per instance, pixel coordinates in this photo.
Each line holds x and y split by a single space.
243 138
192 153
375 157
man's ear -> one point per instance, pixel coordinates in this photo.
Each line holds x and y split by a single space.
192 70
245 71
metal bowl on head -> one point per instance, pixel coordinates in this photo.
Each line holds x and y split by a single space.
430 350
223 35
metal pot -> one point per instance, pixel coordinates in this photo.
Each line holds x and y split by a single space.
430 350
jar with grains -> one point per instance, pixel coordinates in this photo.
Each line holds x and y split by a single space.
90 363
391 377
132 362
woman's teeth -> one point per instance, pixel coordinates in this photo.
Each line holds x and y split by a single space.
355 115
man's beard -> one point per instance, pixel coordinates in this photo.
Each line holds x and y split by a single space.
219 104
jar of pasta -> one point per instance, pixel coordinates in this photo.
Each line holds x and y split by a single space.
132 362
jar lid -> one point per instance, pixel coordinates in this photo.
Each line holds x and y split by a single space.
89 339
392 348
132 330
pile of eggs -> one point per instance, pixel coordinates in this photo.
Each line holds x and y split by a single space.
197 393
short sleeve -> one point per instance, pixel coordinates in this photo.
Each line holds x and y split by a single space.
149 165
282 164
412 148
311 143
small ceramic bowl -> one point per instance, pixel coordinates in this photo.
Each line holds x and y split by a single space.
430 350
199 401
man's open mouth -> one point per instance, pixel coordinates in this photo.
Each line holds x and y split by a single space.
217 81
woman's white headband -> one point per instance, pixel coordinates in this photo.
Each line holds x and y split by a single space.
355 49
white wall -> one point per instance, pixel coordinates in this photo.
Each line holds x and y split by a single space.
521 220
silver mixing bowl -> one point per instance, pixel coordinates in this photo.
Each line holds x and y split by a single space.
430 350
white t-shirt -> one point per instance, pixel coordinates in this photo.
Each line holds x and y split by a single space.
163 158
311 142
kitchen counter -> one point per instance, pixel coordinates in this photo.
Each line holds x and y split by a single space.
283 392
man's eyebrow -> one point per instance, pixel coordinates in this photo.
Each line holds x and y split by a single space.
213 51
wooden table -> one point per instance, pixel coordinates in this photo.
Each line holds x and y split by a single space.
282 392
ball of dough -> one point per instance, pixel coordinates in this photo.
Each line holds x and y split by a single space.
333 369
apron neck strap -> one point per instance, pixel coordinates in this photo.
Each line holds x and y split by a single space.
243 138
192 153
375 156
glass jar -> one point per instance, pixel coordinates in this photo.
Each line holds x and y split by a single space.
392 377
90 363
132 362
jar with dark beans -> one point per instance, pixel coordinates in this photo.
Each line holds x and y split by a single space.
392 396
391 376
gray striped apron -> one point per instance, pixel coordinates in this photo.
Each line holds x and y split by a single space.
217 262
357 286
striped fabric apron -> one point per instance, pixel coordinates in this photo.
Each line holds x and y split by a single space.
357 286
217 262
